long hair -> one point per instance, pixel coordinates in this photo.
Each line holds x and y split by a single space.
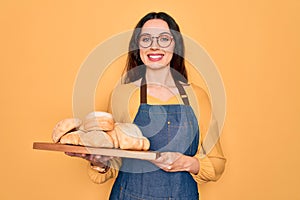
135 68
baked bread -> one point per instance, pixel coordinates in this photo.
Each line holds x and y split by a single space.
99 121
97 139
64 126
92 133
114 137
72 138
130 137
89 139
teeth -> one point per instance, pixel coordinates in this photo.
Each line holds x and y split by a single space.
155 56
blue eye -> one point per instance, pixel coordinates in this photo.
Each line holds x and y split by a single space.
146 39
164 39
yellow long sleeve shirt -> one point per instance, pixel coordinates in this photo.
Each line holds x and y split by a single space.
125 101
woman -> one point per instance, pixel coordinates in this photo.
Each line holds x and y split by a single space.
158 96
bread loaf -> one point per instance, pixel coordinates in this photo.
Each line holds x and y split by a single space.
72 138
96 139
89 139
99 130
130 137
99 121
114 137
64 126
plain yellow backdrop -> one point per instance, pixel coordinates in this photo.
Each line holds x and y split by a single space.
255 45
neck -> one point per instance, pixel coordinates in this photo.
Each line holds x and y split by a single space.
160 77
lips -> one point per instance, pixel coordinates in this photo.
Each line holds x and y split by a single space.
155 57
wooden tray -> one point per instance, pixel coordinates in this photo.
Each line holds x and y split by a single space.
143 155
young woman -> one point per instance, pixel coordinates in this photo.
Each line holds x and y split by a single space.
156 96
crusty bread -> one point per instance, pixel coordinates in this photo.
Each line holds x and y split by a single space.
130 137
99 121
114 137
64 126
92 133
72 138
89 139
96 139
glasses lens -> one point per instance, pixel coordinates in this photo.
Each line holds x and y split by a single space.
164 40
145 40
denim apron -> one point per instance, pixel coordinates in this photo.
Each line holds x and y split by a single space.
169 128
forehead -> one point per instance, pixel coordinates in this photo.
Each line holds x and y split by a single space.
155 27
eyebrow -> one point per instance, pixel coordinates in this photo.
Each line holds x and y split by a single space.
158 34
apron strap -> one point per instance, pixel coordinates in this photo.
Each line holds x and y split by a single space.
182 93
143 92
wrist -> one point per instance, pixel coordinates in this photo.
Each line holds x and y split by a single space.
193 165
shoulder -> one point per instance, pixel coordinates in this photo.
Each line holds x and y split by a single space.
120 101
200 92
199 101
197 92
124 90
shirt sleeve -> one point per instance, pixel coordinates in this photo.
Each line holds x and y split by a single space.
113 171
209 155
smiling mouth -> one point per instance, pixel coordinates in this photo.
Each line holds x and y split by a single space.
155 57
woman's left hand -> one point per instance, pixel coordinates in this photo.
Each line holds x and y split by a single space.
175 161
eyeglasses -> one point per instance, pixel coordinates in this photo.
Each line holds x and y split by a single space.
164 40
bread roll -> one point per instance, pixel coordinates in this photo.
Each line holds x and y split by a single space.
64 126
130 137
99 121
72 138
114 137
89 139
96 139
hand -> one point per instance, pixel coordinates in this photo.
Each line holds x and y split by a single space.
170 161
175 162
96 160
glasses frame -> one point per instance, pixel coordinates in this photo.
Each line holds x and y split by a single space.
156 37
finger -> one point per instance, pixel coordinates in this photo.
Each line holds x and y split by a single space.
166 168
69 153
88 157
102 158
84 156
160 159
106 158
97 158
74 154
171 157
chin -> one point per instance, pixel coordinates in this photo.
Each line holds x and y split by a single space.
155 66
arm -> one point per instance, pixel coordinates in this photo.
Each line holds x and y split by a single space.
212 164
119 108
98 177
114 164
210 156
203 167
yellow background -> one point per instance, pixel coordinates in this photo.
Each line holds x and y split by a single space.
255 45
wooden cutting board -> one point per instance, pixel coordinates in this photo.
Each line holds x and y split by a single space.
143 155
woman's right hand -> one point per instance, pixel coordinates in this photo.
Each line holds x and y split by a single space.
96 160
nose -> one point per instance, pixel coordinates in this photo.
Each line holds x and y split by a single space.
154 44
